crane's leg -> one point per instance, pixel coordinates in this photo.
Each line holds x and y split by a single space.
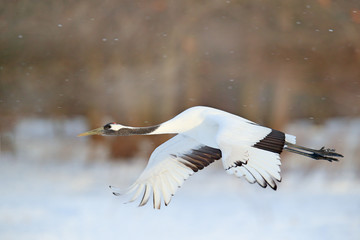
321 154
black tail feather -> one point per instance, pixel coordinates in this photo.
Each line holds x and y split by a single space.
321 154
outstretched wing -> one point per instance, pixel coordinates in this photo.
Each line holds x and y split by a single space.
169 166
259 161
256 165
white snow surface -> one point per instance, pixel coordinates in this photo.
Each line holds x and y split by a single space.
45 195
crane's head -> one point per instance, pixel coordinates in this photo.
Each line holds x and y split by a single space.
107 129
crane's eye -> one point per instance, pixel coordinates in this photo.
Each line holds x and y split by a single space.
107 126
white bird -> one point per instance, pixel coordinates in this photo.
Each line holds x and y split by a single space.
205 135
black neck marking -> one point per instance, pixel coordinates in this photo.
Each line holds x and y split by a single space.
137 131
131 131
273 142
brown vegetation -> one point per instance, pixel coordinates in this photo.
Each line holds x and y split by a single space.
141 62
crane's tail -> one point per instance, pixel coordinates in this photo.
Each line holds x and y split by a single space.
321 154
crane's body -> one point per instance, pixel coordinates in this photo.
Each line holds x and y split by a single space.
204 135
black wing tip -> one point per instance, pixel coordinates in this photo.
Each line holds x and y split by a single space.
262 185
267 184
273 187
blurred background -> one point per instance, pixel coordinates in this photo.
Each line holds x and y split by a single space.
70 66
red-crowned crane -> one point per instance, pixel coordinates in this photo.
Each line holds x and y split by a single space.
204 135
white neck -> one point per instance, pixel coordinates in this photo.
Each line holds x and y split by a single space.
180 123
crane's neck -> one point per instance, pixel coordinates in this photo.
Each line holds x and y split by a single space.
183 122
173 126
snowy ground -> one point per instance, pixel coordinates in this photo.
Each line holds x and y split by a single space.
46 198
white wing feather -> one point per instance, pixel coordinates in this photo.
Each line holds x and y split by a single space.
255 165
165 172
236 139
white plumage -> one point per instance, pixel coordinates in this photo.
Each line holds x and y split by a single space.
204 135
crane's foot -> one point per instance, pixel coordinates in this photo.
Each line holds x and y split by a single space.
321 154
326 154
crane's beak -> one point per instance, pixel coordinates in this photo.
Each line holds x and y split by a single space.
97 131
